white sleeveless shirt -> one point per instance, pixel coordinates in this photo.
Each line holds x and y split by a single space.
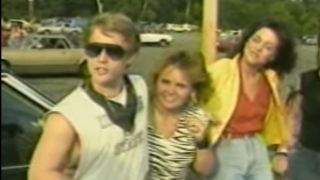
107 152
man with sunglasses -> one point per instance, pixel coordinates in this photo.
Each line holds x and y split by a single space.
305 160
99 130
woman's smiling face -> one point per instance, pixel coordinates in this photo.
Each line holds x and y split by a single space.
173 88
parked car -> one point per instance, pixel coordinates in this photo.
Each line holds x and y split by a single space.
44 54
22 110
156 38
310 40
228 43
151 27
180 27
79 22
25 24
58 29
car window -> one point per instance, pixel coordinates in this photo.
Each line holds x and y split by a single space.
53 43
61 44
19 127
25 43
48 43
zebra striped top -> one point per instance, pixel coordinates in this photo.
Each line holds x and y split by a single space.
170 158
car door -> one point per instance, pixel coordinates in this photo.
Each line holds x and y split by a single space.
50 55
60 56
150 37
20 130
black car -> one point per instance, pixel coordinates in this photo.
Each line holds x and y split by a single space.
22 109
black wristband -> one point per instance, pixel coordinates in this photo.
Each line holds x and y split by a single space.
281 154
204 144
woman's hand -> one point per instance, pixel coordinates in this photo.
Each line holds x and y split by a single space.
280 163
197 129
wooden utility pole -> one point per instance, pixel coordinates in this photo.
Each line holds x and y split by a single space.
100 6
31 9
209 30
144 8
187 11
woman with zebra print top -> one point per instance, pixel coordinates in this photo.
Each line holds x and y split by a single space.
177 129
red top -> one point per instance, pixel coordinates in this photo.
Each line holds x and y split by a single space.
248 116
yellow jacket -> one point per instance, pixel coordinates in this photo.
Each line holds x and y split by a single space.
226 84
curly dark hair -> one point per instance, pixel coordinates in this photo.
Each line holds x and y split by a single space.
285 59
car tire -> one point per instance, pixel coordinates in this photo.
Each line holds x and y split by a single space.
163 43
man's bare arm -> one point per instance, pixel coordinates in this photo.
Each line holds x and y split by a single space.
53 150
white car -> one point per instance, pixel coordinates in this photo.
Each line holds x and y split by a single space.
44 54
58 29
25 24
310 40
181 27
156 38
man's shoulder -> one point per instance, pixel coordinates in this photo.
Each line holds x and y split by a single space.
135 77
309 78
310 73
72 98
136 80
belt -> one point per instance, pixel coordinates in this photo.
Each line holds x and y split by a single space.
229 135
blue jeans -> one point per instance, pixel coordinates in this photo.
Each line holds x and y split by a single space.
243 159
304 164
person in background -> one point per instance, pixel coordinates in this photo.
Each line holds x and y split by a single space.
305 158
99 131
248 106
178 127
17 34
5 34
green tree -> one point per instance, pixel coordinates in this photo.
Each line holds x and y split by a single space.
14 9
301 16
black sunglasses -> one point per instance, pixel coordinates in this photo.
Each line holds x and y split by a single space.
115 52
